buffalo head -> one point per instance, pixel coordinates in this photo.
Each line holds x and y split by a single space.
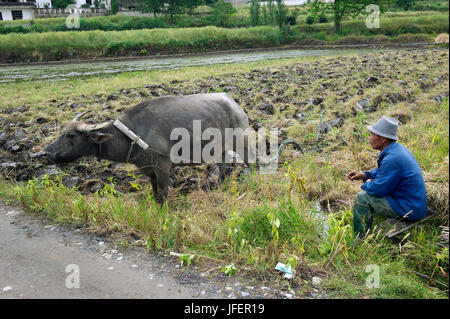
77 139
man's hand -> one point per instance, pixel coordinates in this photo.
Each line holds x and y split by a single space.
355 176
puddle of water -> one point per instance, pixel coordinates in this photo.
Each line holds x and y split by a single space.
61 72
321 217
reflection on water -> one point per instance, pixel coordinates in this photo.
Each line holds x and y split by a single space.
321 218
58 72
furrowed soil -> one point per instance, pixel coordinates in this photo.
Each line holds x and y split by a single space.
289 98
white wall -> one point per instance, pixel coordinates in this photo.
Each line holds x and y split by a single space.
41 3
79 3
27 13
6 14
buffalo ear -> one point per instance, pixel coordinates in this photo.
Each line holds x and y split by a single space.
99 138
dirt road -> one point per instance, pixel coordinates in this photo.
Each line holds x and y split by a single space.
38 260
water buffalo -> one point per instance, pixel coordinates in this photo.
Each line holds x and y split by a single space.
153 121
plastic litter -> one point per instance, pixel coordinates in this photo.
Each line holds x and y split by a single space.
289 273
7 288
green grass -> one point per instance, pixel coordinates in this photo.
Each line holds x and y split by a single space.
119 23
431 134
59 45
107 23
390 25
423 5
100 42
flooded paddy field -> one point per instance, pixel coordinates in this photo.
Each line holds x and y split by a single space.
60 72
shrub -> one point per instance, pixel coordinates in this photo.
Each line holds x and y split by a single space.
222 12
310 19
291 20
15 29
322 18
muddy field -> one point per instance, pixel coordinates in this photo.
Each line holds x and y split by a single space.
83 69
291 99
324 103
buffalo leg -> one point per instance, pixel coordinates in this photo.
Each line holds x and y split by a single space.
151 174
162 173
221 173
248 154
154 183
224 167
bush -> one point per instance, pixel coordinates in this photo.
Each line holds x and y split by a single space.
291 20
322 18
222 12
15 29
310 19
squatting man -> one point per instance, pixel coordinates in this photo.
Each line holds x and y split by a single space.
395 188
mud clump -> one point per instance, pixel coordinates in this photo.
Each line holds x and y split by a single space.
266 108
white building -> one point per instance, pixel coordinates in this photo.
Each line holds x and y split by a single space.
78 3
17 9
25 9
44 4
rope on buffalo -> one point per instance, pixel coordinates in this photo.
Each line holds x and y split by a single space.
281 148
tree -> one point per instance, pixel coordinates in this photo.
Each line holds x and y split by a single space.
269 12
344 8
174 7
150 6
192 4
404 4
170 7
255 8
62 3
281 13
222 12
115 6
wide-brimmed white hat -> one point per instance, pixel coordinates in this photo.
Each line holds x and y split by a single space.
385 127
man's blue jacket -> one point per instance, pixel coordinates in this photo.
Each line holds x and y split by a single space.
399 179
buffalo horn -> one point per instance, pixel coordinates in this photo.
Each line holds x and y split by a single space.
83 127
78 116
